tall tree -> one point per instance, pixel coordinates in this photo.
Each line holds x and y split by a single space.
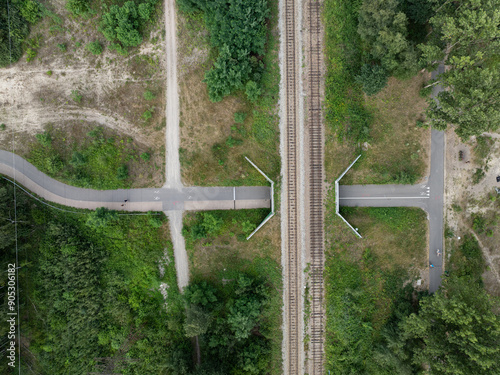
384 29
466 37
457 330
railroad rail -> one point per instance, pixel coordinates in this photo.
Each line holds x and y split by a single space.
316 225
293 251
298 205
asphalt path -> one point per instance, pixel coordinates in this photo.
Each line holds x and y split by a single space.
428 196
149 199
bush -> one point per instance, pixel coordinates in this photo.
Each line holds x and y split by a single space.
62 47
145 156
31 11
94 47
231 142
239 117
425 92
122 173
147 115
373 78
78 7
75 95
44 139
253 91
148 95
49 73
2 126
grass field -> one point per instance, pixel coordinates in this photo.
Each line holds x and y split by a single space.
213 144
382 128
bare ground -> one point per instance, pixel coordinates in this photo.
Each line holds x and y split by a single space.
34 94
466 200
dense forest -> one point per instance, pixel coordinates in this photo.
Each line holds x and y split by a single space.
90 298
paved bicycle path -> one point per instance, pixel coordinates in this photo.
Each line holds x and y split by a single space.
149 199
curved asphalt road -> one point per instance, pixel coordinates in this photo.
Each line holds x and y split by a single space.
160 199
428 196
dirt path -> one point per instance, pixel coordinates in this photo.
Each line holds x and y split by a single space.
172 138
172 141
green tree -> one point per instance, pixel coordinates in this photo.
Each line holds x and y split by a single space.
373 78
465 36
123 23
31 11
384 30
14 30
78 7
238 31
457 330
197 321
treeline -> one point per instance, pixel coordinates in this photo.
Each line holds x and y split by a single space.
238 32
89 290
454 331
15 19
379 38
229 323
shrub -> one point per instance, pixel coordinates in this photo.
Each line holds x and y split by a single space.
75 95
49 73
425 92
421 124
373 78
478 176
118 48
147 115
145 156
94 47
2 126
148 95
78 7
31 11
62 47
231 142
253 91
44 139
122 173
239 117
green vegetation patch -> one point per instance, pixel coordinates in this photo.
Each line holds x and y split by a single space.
97 161
90 289
14 28
238 32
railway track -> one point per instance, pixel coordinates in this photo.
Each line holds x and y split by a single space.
313 201
294 258
316 225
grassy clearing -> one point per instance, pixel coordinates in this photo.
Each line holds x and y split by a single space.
213 142
382 128
217 250
365 279
97 159
398 150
